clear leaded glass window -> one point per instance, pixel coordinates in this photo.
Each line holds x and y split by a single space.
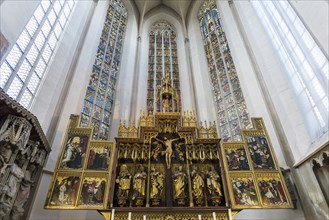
306 65
98 103
231 107
162 60
23 68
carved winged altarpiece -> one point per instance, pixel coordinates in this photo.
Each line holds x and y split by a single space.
167 167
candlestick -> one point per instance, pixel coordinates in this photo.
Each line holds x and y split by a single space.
199 217
129 216
214 215
144 217
230 214
112 215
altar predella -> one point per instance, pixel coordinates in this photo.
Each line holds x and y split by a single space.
168 167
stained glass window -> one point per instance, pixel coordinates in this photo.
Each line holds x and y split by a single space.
231 107
306 65
162 59
98 103
24 67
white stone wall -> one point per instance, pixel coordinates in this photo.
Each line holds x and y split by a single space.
315 16
285 105
205 106
124 90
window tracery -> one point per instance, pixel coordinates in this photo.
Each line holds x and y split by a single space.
231 107
25 65
98 103
162 60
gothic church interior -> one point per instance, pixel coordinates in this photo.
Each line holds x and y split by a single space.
228 61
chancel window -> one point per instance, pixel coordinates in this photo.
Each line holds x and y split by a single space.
163 69
24 67
98 103
231 107
305 63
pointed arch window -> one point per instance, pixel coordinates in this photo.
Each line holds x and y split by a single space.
307 68
98 103
162 59
25 65
231 107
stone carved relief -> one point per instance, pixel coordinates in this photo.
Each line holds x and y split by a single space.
20 159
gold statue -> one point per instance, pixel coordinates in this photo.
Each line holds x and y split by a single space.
179 180
169 151
124 181
139 183
156 183
213 183
155 152
166 104
197 184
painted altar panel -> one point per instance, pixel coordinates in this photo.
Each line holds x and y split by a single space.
260 152
81 180
243 192
75 149
93 192
272 190
64 190
255 180
235 157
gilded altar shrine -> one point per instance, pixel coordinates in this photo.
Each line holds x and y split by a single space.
168 166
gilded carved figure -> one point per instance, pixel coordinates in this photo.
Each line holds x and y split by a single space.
157 180
179 180
213 184
156 151
197 186
139 185
124 181
169 151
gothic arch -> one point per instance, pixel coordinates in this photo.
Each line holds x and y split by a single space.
158 13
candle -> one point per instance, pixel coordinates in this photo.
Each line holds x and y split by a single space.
199 217
229 214
214 215
129 216
144 217
112 215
